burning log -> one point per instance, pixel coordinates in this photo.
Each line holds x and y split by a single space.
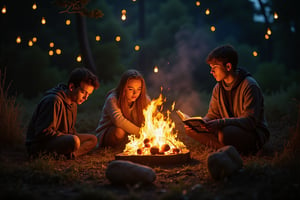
154 150
165 148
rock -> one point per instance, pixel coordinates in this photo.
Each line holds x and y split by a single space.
224 162
127 172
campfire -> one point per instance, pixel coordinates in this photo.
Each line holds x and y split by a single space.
158 140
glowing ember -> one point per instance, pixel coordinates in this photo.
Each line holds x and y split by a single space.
157 135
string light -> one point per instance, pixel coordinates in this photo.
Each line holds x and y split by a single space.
98 38
68 22
34 6
58 51
197 3
118 38
213 28
18 40
269 32
254 53
155 69
267 36
3 10
275 15
51 44
43 21
30 43
78 59
51 53
137 47
207 11
123 17
34 39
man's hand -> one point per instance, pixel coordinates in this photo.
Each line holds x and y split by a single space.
214 125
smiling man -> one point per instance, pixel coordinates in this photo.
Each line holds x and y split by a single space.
52 126
236 110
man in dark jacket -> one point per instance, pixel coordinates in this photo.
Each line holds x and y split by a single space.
236 110
52 127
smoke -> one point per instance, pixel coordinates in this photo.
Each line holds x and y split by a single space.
176 73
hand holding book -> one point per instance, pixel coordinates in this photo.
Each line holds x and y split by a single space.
196 123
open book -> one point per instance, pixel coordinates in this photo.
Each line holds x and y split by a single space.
196 123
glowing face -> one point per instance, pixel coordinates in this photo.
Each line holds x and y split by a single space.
133 89
80 94
218 71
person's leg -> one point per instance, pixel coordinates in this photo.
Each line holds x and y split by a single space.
87 143
115 137
244 141
209 139
61 145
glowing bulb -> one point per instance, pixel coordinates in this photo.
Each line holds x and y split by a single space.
98 38
275 15
123 17
254 53
68 22
78 59
51 53
34 6
18 40
3 10
123 12
30 43
267 36
58 51
34 39
155 69
269 32
43 21
118 38
51 44
207 11
137 47
197 3
213 28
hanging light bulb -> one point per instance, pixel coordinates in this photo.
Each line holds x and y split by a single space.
3 10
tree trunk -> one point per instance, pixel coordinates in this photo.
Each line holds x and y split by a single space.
85 49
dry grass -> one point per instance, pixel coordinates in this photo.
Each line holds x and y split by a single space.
10 124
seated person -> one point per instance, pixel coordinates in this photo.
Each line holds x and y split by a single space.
122 113
236 110
52 126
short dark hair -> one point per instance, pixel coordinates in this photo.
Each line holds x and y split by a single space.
83 74
225 54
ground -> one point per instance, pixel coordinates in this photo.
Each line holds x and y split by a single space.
84 178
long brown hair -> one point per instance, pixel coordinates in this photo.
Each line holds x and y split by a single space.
141 102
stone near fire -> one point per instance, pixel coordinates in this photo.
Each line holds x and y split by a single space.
127 172
224 162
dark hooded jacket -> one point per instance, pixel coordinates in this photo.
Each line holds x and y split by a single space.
241 104
54 115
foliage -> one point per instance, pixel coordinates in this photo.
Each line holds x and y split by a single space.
10 124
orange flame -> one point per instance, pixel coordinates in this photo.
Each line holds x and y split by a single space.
157 135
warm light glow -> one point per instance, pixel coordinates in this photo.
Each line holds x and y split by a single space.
254 53
275 15
34 39
68 22
51 44
137 47
18 40
213 28
123 17
197 3
98 38
207 11
269 32
155 69
30 43
118 38
267 36
58 51
3 10
78 59
43 21
51 53
157 135
134 0
34 6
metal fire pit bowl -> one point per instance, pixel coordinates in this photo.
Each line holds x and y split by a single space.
157 159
